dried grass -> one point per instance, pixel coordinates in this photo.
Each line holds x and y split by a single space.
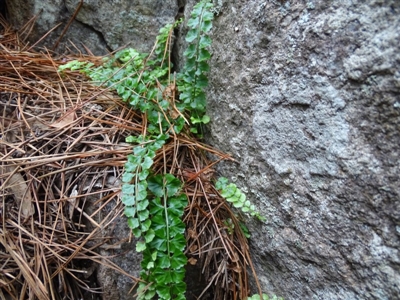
61 156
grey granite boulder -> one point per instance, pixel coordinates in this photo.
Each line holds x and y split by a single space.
306 96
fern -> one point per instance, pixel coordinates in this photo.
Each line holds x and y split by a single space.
154 203
234 195
193 79
264 297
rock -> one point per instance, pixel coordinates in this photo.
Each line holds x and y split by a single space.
305 95
115 285
99 25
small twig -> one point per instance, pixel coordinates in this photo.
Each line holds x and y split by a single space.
69 24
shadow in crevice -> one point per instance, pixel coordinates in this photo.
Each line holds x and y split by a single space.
3 8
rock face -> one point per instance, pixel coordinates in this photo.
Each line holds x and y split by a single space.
306 96
99 25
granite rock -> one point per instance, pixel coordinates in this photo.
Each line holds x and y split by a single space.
306 96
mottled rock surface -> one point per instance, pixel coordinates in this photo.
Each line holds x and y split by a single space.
100 25
306 96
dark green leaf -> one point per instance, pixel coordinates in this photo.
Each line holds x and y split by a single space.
141 192
175 231
239 205
130 211
154 147
140 246
162 138
192 35
149 235
145 225
190 51
173 184
181 293
163 277
163 260
163 291
190 77
150 152
143 175
186 96
133 223
142 87
159 219
127 177
208 15
156 207
137 232
242 198
126 94
179 290
144 106
120 89
161 231
201 81
245 230
204 54
130 139
139 151
143 215
179 124
205 41
132 163
159 243
203 66
193 22
205 119
199 102
131 82
178 260
164 104
175 222
135 100
221 183
178 275
150 294
147 257
153 117
155 184
128 199
190 65
176 205
229 190
178 243
151 94
147 163
206 26
128 189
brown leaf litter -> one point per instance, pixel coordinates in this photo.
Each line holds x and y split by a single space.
62 152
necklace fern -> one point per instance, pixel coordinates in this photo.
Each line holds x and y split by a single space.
154 203
193 79
234 195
